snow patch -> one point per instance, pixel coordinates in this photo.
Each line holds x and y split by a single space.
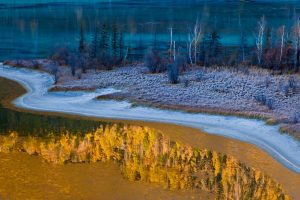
282 147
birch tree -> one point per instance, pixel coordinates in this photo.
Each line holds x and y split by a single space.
296 42
190 43
171 43
282 33
259 38
194 41
243 41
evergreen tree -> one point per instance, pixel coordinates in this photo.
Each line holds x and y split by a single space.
114 40
104 39
243 46
212 48
81 47
215 44
268 39
95 41
121 45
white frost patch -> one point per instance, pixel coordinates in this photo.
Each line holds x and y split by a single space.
282 147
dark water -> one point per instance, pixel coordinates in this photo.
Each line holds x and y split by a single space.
34 28
40 125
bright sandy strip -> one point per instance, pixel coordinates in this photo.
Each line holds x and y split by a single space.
282 147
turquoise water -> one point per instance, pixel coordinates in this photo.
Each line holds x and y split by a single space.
34 28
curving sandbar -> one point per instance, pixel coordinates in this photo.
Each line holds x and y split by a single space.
282 147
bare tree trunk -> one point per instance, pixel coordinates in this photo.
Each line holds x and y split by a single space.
197 38
282 43
190 49
297 51
125 56
260 39
242 40
171 42
298 61
195 52
174 52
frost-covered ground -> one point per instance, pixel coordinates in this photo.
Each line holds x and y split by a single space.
282 147
213 90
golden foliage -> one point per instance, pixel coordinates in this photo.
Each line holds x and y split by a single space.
147 155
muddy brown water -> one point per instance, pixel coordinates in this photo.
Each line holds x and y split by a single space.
23 176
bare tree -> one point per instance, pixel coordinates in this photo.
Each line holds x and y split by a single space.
171 43
296 38
189 45
194 39
259 39
243 41
125 56
282 41
174 50
197 38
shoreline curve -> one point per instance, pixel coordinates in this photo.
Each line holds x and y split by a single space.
283 148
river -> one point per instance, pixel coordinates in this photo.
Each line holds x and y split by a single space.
264 138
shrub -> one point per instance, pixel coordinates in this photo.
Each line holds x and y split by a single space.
267 81
54 71
61 56
262 99
173 74
296 118
292 83
290 87
270 103
244 70
186 83
72 62
152 61
83 62
105 61
35 64
174 70
79 75
200 76
286 90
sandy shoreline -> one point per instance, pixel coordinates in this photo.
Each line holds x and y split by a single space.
202 90
232 149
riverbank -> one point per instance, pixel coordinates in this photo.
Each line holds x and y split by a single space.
10 90
253 93
254 156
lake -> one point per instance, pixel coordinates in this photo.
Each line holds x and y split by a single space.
35 28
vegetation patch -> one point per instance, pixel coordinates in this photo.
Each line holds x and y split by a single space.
145 154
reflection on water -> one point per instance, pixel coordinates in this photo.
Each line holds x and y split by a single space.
39 125
32 28
28 177
143 155
147 155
